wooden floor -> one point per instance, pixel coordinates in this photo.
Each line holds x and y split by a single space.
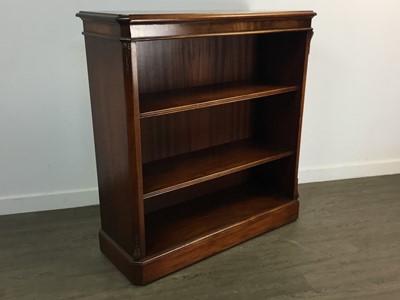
346 245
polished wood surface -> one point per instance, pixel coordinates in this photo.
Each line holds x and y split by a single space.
152 26
174 226
185 132
173 101
117 153
184 17
170 174
173 259
201 189
197 121
182 63
192 252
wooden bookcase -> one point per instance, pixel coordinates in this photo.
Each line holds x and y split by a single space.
197 121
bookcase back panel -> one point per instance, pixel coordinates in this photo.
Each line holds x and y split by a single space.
189 131
182 63
272 120
195 191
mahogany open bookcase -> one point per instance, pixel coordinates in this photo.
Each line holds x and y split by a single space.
197 121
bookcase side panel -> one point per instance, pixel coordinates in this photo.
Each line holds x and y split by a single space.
301 109
117 144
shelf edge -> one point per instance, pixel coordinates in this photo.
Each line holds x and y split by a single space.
218 174
218 102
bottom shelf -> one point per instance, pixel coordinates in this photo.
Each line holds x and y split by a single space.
184 234
193 220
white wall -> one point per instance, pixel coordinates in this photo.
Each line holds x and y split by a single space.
352 113
351 119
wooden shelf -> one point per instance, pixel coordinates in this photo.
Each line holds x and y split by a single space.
168 102
214 214
181 171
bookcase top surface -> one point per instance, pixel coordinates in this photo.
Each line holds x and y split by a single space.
188 16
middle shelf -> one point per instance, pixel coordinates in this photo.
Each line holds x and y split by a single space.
173 101
185 170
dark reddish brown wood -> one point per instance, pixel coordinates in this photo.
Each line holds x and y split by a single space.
161 103
217 241
279 121
182 63
192 220
117 144
198 190
166 262
180 133
197 121
170 174
150 26
301 108
185 17
123 260
201 29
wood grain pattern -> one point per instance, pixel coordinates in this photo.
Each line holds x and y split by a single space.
118 167
152 26
198 190
174 64
211 244
204 29
181 171
157 266
196 115
184 132
167 102
193 220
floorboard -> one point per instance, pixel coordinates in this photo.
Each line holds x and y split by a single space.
345 245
